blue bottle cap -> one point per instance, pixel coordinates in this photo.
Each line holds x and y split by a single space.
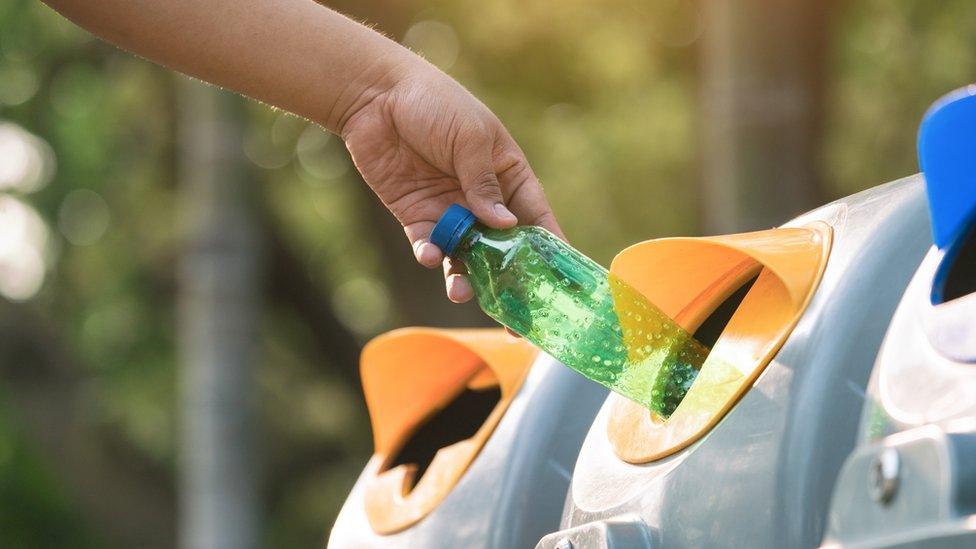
451 227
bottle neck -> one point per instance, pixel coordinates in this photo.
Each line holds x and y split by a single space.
471 235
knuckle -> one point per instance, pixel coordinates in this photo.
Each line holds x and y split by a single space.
486 184
543 219
473 127
512 163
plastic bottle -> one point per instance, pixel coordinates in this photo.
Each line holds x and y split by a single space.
529 280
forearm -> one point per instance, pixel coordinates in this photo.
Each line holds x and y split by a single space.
294 54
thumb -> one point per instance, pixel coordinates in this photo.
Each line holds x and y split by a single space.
475 172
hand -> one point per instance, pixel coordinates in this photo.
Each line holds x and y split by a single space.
420 140
426 143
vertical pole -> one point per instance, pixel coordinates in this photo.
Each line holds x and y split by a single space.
762 70
217 310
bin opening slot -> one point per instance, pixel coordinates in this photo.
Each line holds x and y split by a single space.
457 421
713 326
957 275
435 396
738 295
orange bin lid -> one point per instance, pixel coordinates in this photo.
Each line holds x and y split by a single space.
408 376
688 278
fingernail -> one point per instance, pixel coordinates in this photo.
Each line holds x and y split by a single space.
459 290
428 255
502 212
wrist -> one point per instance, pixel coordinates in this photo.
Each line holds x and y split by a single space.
380 74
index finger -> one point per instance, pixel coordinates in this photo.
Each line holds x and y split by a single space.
527 199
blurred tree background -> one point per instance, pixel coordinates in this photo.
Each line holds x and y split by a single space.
614 103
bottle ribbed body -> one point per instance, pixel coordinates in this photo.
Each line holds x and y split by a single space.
571 307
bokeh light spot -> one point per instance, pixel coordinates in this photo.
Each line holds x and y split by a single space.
83 217
436 41
17 84
321 154
676 23
363 304
26 161
23 241
262 151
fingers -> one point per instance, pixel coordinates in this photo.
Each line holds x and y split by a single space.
427 254
458 286
528 200
475 170
531 201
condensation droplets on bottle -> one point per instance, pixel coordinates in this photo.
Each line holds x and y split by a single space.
569 306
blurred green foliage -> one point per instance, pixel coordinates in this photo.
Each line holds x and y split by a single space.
891 60
37 511
601 95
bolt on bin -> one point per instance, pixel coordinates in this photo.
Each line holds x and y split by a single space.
911 481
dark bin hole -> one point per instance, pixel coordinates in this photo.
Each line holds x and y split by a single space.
457 421
957 275
710 330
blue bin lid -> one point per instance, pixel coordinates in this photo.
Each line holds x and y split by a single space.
947 157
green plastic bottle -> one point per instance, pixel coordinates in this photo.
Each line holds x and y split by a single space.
548 292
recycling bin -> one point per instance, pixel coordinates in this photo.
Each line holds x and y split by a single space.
911 481
795 433
794 317
475 434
